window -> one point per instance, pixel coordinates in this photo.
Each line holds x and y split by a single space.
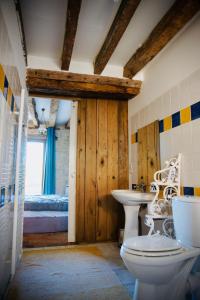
34 168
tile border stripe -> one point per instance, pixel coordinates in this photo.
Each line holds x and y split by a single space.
6 90
185 190
190 191
183 116
178 118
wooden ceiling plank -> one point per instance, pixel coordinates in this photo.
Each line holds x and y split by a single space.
73 11
181 12
53 112
84 87
124 14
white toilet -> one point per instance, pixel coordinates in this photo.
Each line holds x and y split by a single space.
160 264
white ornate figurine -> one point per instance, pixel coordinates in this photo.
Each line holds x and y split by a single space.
166 181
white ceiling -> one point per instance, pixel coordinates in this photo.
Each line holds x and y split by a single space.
44 23
40 104
94 22
64 110
146 17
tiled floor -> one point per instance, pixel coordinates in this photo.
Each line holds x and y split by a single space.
83 272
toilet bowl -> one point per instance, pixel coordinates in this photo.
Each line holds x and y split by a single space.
160 264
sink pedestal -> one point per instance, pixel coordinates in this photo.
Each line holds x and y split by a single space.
131 221
131 200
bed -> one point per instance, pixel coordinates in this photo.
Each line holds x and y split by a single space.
45 213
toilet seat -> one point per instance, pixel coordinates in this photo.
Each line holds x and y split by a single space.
152 246
154 254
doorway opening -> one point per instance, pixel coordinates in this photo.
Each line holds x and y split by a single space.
47 174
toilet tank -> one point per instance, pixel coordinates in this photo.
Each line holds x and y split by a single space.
186 214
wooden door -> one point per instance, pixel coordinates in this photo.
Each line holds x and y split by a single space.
102 165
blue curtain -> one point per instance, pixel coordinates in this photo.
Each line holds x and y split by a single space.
49 163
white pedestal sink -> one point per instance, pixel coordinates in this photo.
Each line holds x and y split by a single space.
131 201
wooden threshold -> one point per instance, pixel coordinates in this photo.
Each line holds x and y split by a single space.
34 240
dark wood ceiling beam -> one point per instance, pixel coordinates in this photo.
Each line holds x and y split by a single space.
124 14
72 85
21 28
181 12
73 11
77 77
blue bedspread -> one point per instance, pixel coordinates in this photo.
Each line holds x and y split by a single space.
46 203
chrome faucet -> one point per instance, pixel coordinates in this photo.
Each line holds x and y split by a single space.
140 187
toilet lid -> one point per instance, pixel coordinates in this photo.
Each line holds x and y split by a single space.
152 243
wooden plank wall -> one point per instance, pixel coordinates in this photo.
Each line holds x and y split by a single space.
102 165
148 152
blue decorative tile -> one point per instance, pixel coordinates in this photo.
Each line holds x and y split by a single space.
161 126
176 119
2 197
9 193
195 111
12 103
134 186
188 190
13 193
5 92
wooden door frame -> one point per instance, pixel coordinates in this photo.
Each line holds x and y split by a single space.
72 174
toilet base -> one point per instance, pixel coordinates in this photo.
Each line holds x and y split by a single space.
144 291
173 290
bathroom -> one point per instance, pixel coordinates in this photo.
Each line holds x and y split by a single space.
125 124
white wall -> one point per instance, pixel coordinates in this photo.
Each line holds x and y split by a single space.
7 149
11 22
171 83
13 66
72 174
176 62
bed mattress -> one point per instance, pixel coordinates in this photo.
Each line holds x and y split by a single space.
45 221
46 203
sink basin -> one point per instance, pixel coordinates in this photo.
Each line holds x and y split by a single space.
128 197
131 201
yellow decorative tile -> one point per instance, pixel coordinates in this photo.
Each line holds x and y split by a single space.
15 107
197 191
9 96
185 115
167 123
182 190
133 138
2 78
